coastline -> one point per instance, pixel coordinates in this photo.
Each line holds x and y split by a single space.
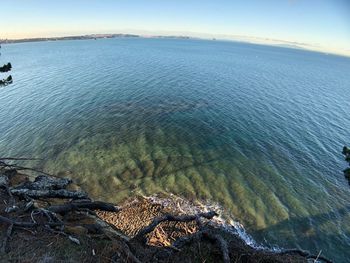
188 232
239 39
83 37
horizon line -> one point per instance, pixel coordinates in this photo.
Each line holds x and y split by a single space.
202 36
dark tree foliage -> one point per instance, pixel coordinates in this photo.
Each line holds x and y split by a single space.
6 68
346 152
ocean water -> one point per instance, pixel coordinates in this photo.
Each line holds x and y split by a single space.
257 129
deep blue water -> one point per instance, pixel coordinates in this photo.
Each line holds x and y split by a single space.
257 129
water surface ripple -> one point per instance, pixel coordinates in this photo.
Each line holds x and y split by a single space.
255 128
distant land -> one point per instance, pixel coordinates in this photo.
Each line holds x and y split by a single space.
83 37
101 36
245 39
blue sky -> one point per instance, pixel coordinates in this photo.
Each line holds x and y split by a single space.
320 23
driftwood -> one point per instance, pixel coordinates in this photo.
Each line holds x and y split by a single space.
205 234
222 244
3 165
62 193
128 255
4 183
43 182
27 224
49 187
12 203
62 209
182 218
43 187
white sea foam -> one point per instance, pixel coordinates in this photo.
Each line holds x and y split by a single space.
225 220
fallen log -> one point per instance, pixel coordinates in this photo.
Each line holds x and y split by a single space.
181 218
43 182
62 193
62 209
124 255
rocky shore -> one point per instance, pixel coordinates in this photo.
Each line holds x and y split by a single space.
44 218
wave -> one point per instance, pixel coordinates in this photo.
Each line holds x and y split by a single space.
225 220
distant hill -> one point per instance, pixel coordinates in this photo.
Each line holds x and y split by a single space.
84 37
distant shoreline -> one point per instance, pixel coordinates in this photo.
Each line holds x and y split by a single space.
84 37
111 36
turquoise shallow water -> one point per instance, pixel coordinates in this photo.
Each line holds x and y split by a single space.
258 129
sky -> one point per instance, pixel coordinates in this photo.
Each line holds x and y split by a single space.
315 24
